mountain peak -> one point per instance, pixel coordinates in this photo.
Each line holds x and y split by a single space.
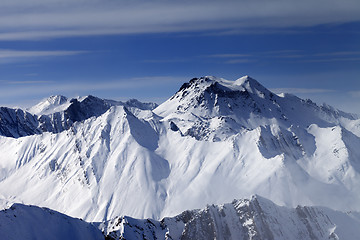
232 106
245 80
57 99
49 105
216 96
87 107
251 85
209 83
141 105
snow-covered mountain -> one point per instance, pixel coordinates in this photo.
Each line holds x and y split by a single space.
31 222
254 218
52 104
56 114
213 141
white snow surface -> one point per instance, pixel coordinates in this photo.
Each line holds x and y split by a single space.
253 218
52 104
214 141
31 222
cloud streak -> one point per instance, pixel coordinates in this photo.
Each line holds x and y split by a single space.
25 82
355 94
287 55
7 53
44 19
301 90
237 61
229 55
11 56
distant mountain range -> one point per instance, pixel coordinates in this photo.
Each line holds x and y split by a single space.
57 113
213 141
254 218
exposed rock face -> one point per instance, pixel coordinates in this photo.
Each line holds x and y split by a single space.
255 218
56 114
17 123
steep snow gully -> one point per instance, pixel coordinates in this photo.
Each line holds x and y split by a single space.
213 141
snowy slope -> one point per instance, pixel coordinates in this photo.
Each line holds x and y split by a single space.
57 113
60 115
90 167
52 104
254 218
214 141
31 222
223 108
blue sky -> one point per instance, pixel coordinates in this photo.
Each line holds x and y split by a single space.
147 49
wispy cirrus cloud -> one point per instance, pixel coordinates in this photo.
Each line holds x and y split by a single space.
328 57
44 19
228 55
301 90
8 53
233 58
25 82
339 53
287 55
174 60
11 56
236 61
355 94
324 60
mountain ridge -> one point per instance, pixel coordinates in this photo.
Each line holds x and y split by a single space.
57 113
230 139
248 218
